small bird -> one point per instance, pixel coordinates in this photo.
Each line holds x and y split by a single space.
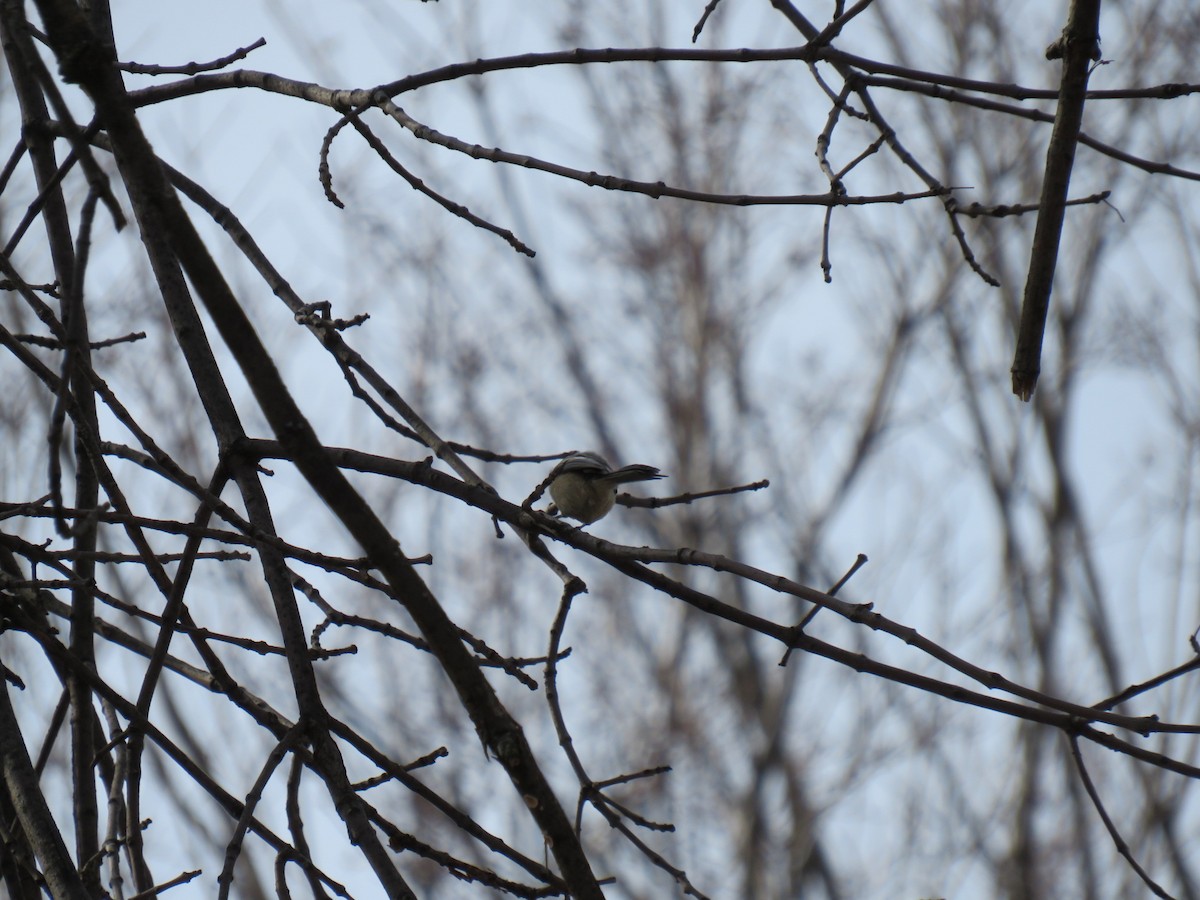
584 485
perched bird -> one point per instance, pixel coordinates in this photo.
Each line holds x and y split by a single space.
584 486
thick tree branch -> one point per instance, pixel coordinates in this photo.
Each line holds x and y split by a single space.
1079 45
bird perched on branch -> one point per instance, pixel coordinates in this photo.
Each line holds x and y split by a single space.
584 486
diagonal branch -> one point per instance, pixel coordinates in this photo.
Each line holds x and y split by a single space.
1078 45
